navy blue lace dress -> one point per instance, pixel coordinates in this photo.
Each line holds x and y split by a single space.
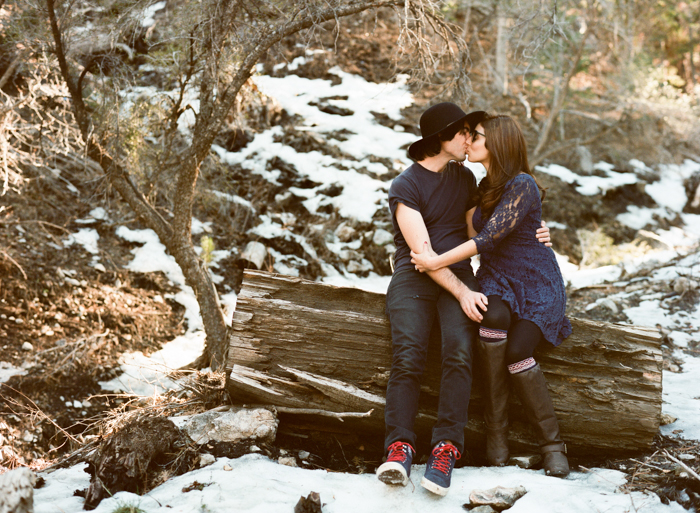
518 268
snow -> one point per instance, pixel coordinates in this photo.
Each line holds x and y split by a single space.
7 370
681 396
362 195
256 484
86 237
590 185
148 15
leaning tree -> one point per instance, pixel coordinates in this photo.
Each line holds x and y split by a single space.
210 47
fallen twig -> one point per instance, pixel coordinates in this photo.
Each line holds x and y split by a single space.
325 413
41 414
683 465
14 262
665 471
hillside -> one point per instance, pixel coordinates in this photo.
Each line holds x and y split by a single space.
302 167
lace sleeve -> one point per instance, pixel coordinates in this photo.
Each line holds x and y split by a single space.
517 199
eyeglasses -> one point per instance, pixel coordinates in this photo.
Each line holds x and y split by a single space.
476 134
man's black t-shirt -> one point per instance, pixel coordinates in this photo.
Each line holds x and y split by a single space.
442 199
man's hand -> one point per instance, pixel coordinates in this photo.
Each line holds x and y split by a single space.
469 300
542 235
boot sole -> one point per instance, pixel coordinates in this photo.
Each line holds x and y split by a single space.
434 487
392 474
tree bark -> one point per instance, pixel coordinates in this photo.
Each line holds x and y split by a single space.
302 344
502 50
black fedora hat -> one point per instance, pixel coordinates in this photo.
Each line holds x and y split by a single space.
435 120
476 117
439 117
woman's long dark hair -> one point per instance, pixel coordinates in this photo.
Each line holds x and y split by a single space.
506 145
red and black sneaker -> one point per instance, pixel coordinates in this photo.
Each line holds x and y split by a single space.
397 468
438 470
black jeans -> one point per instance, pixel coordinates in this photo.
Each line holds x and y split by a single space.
412 302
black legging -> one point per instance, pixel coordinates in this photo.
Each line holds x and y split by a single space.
523 335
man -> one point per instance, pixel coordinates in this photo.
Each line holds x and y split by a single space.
429 202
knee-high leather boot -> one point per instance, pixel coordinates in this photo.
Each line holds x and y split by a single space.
496 390
531 387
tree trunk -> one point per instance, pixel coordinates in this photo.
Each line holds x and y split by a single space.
502 50
561 92
304 345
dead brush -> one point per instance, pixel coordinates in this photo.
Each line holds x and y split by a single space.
60 360
197 394
667 472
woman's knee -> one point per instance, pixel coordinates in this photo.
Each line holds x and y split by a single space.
497 315
517 353
523 338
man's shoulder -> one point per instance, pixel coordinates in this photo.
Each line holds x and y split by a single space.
406 176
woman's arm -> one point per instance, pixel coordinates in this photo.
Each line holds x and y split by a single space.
428 260
515 202
414 231
519 197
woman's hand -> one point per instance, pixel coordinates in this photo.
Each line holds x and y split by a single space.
425 261
542 235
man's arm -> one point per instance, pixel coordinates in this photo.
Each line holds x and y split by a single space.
415 233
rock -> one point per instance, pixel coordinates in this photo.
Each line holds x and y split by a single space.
284 198
233 426
287 460
309 504
683 285
304 455
610 305
585 159
17 491
358 267
479 509
345 232
329 108
498 498
206 460
254 253
27 347
667 419
348 255
527 461
382 237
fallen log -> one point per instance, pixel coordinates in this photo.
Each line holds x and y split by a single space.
305 345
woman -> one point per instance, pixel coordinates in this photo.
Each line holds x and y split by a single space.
523 286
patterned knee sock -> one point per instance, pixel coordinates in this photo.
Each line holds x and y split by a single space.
522 365
492 335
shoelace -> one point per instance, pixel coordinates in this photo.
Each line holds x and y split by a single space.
443 455
398 451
